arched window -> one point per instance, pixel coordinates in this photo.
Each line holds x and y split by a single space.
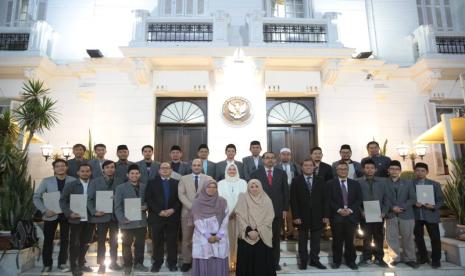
286 113
182 112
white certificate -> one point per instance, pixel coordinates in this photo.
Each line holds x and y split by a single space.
372 211
78 204
425 194
104 201
132 209
52 201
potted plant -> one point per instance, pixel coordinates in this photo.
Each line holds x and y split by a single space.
454 195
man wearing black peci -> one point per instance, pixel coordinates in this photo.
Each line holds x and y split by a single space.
345 198
310 209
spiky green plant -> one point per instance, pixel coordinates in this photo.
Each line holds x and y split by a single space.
37 112
454 190
90 154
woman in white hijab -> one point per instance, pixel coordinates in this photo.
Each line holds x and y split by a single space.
230 188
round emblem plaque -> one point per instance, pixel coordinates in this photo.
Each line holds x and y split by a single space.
237 110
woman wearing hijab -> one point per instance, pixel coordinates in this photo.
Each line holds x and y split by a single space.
230 188
210 245
254 214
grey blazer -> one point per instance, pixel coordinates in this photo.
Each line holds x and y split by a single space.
73 166
357 166
249 166
404 198
184 168
122 169
379 192
48 185
126 190
97 170
144 176
99 184
295 169
423 213
74 187
221 167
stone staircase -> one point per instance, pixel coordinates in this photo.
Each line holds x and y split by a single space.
288 264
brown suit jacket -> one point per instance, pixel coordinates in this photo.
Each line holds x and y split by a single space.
187 193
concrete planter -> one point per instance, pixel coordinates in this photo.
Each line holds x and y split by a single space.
455 251
26 261
450 227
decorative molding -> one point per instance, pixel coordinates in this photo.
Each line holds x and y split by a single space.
428 80
142 71
330 72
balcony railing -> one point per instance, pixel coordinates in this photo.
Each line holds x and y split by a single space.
295 33
14 41
427 40
450 44
179 32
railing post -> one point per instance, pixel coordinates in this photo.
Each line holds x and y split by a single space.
426 40
139 28
221 22
255 22
331 28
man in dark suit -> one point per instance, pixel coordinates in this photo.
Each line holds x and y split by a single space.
321 168
373 188
382 162
122 165
178 167
81 230
274 182
96 164
230 152
105 222
79 150
164 217
148 167
427 215
345 198
355 168
208 167
252 162
310 210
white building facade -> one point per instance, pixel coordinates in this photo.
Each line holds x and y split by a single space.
169 67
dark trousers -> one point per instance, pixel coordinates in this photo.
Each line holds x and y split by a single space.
136 236
165 230
103 229
315 236
372 231
79 239
276 241
433 232
50 228
343 236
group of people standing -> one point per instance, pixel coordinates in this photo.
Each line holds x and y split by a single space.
229 215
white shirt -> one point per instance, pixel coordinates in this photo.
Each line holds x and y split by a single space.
85 185
352 174
255 160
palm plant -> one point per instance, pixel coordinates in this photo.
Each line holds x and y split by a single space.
90 154
454 191
37 112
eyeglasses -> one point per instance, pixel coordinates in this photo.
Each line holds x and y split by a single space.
270 157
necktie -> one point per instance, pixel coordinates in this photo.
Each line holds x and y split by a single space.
136 190
317 170
270 177
166 192
196 182
345 194
309 183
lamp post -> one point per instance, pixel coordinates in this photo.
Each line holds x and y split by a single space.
418 151
66 150
47 151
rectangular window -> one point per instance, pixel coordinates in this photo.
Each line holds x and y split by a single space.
288 8
42 10
183 7
436 13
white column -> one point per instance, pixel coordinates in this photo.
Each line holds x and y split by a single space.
462 87
255 22
449 140
221 22
139 27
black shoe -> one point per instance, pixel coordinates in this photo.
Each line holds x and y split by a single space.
318 265
395 263
352 266
303 266
335 265
115 266
422 261
435 265
173 268
412 264
140 268
85 269
76 272
363 262
186 267
101 269
381 263
278 268
155 268
127 270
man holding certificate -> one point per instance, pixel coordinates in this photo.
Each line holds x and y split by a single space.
429 200
101 192
47 200
74 203
164 217
400 220
130 210
374 208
